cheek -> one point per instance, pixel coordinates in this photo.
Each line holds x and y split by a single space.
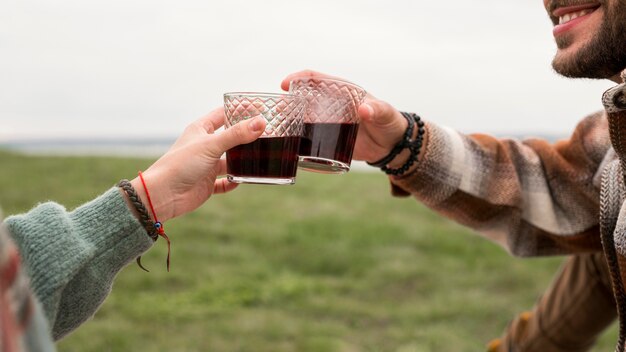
617 15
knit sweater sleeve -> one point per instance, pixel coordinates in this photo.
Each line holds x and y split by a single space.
73 257
531 197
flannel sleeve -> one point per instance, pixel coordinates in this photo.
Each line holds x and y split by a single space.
531 197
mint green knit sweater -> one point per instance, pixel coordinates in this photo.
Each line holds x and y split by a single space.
73 257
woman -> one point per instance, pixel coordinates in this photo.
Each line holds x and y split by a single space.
71 258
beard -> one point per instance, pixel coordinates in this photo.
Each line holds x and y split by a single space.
604 55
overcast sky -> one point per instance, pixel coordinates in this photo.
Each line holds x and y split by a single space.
146 68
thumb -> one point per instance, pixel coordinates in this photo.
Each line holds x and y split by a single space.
378 112
241 133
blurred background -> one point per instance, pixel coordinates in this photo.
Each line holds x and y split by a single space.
331 264
146 68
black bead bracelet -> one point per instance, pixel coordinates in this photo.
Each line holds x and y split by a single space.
414 146
406 138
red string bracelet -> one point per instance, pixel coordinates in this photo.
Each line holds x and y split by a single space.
157 224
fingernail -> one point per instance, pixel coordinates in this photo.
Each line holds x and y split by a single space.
256 124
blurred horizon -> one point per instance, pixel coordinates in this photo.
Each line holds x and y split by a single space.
145 146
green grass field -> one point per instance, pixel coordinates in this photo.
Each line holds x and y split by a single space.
333 263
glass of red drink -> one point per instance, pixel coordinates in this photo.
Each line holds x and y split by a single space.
331 123
273 158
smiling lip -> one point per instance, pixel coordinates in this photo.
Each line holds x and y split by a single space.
565 18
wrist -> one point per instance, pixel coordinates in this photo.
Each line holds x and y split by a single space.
385 153
130 205
401 158
136 204
136 183
408 149
160 205
137 207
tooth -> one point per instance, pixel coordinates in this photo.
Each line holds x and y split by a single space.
566 18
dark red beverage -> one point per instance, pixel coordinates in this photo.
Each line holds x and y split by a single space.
331 141
267 157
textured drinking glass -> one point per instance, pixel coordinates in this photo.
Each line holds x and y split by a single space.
331 123
273 158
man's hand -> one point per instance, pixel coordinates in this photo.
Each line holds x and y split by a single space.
381 128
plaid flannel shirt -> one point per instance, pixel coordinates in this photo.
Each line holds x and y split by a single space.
531 197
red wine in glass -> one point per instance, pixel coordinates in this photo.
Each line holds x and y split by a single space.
328 147
268 160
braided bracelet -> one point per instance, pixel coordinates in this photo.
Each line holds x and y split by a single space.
414 146
144 217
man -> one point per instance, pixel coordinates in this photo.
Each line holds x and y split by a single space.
531 197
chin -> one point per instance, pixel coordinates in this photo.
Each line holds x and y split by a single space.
566 63
593 48
575 61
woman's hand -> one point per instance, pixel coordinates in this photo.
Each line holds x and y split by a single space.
382 126
186 176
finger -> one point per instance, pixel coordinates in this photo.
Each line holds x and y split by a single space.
304 74
204 125
223 186
211 121
378 112
221 168
241 133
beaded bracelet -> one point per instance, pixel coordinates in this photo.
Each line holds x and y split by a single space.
406 138
414 146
